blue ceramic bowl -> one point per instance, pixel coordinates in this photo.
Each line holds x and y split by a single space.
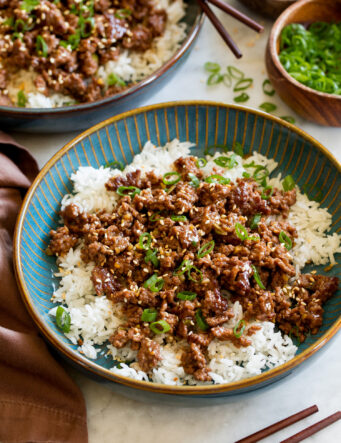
119 138
77 117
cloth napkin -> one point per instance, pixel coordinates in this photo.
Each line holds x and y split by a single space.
38 400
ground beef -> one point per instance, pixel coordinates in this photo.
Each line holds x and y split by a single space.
149 354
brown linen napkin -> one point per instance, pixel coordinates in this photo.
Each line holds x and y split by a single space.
38 400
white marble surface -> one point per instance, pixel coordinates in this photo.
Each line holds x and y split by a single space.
113 418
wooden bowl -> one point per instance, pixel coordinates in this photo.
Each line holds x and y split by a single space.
271 8
318 107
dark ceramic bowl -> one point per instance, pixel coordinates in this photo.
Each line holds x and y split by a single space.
73 118
120 138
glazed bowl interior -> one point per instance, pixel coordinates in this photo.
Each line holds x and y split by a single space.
120 138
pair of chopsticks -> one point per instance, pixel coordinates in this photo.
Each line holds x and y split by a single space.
307 432
220 27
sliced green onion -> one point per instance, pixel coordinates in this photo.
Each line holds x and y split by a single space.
285 240
238 149
185 265
216 178
239 329
168 181
246 175
288 183
194 181
201 322
268 107
212 67
128 190
226 162
86 26
257 277
242 84
154 283
179 218
122 13
241 98
155 217
241 231
201 162
115 80
209 149
267 192
115 165
151 256
20 26
41 46
63 319
235 72
288 119
255 221
149 315
186 295
227 80
160 327
145 241
214 79
267 88
197 272
260 173
207 248
29 5
22 99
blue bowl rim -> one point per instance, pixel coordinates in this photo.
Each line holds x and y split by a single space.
261 379
15 111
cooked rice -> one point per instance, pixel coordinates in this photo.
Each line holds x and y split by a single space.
131 66
94 319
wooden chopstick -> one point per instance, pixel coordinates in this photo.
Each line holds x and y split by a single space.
237 15
220 28
279 425
307 432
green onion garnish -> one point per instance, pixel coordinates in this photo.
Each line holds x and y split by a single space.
201 162
197 273
267 192
115 165
122 13
41 46
178 218
63 319
235 72
260 173
86 25
246 175
186 295
227 80
268 107
226 162
21 99
194 181
171 181
241 231
155 217
288 119
285 240
149 315
29 5
154 283
145 241
201 322
242 84
114 80
255 221
207 248
160 327
214 79
239 328
243 97
288 183
212 67
267 88
151 256
128 190
216 178
238 149
257 277
185 265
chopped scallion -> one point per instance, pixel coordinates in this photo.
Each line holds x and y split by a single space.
63 319
285 240
149 315
160 327
207 248
186 295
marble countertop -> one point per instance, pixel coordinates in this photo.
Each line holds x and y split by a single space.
113 418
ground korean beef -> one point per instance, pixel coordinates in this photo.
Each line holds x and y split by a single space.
177 247
65 41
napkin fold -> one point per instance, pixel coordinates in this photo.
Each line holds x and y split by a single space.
38 400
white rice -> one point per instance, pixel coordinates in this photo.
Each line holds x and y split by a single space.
131 66
94 319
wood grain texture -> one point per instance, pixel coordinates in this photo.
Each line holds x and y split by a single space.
315 106
271 8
